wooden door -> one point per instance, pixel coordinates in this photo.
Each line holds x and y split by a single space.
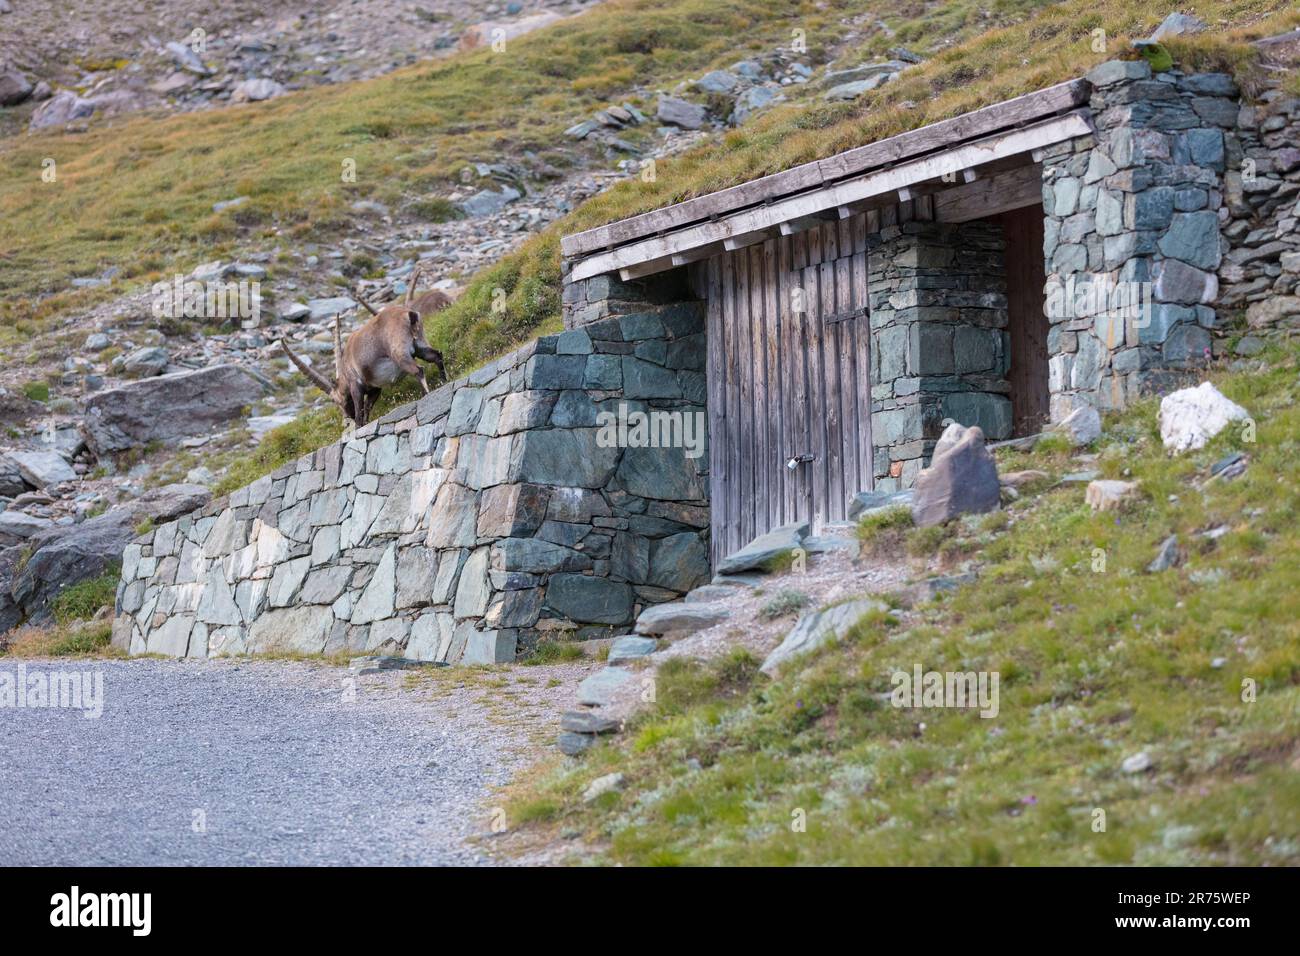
789 377
1027 324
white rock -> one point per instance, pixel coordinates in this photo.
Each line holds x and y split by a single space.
1108 495
601 786
1190 417
1140 762
255 90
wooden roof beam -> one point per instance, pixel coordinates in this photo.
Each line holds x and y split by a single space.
914 143
878 184
999 193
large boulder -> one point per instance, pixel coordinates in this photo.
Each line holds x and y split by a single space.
63 107
1190 417
12 483
14 88
61 555
168 407
962 478
41 468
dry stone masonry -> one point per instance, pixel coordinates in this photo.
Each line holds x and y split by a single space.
1133 219
463 528
939 345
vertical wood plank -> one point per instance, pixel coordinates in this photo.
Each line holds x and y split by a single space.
772 372
745 365
717 408
800 442
732 441
816 469
784 373
847 396
833 505
758 371
862 357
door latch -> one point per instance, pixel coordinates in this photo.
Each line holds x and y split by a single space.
798 460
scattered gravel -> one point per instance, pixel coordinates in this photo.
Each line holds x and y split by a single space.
831 578
285 768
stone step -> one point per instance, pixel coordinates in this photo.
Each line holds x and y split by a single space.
630 648
767 548
711 593
599 689
680 618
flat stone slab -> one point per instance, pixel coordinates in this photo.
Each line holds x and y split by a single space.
710 593
572 744
759 553
740 580
598 689
824 544
818 628
680 618
586 722
376 663
630 648
868 502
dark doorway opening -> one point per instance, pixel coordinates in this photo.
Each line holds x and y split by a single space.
1027 321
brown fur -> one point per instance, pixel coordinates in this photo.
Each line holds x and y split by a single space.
380 352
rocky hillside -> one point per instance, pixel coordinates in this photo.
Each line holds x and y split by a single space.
92 356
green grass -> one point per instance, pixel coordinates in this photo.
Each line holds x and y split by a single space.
555 652
784 602
81 601
1097 660
37 391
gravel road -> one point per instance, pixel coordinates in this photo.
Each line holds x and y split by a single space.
275 759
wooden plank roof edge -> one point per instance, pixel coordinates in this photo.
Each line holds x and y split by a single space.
1038 104
1045 130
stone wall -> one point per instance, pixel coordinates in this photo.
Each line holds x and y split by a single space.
462 528
1135 210
1261 271
939 346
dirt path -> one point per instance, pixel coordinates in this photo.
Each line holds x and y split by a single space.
269 762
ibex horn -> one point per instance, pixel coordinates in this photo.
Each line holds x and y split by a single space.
319 379
362 299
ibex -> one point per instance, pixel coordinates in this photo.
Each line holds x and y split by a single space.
380 352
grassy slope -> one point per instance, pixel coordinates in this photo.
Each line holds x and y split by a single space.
139 192
1095 667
